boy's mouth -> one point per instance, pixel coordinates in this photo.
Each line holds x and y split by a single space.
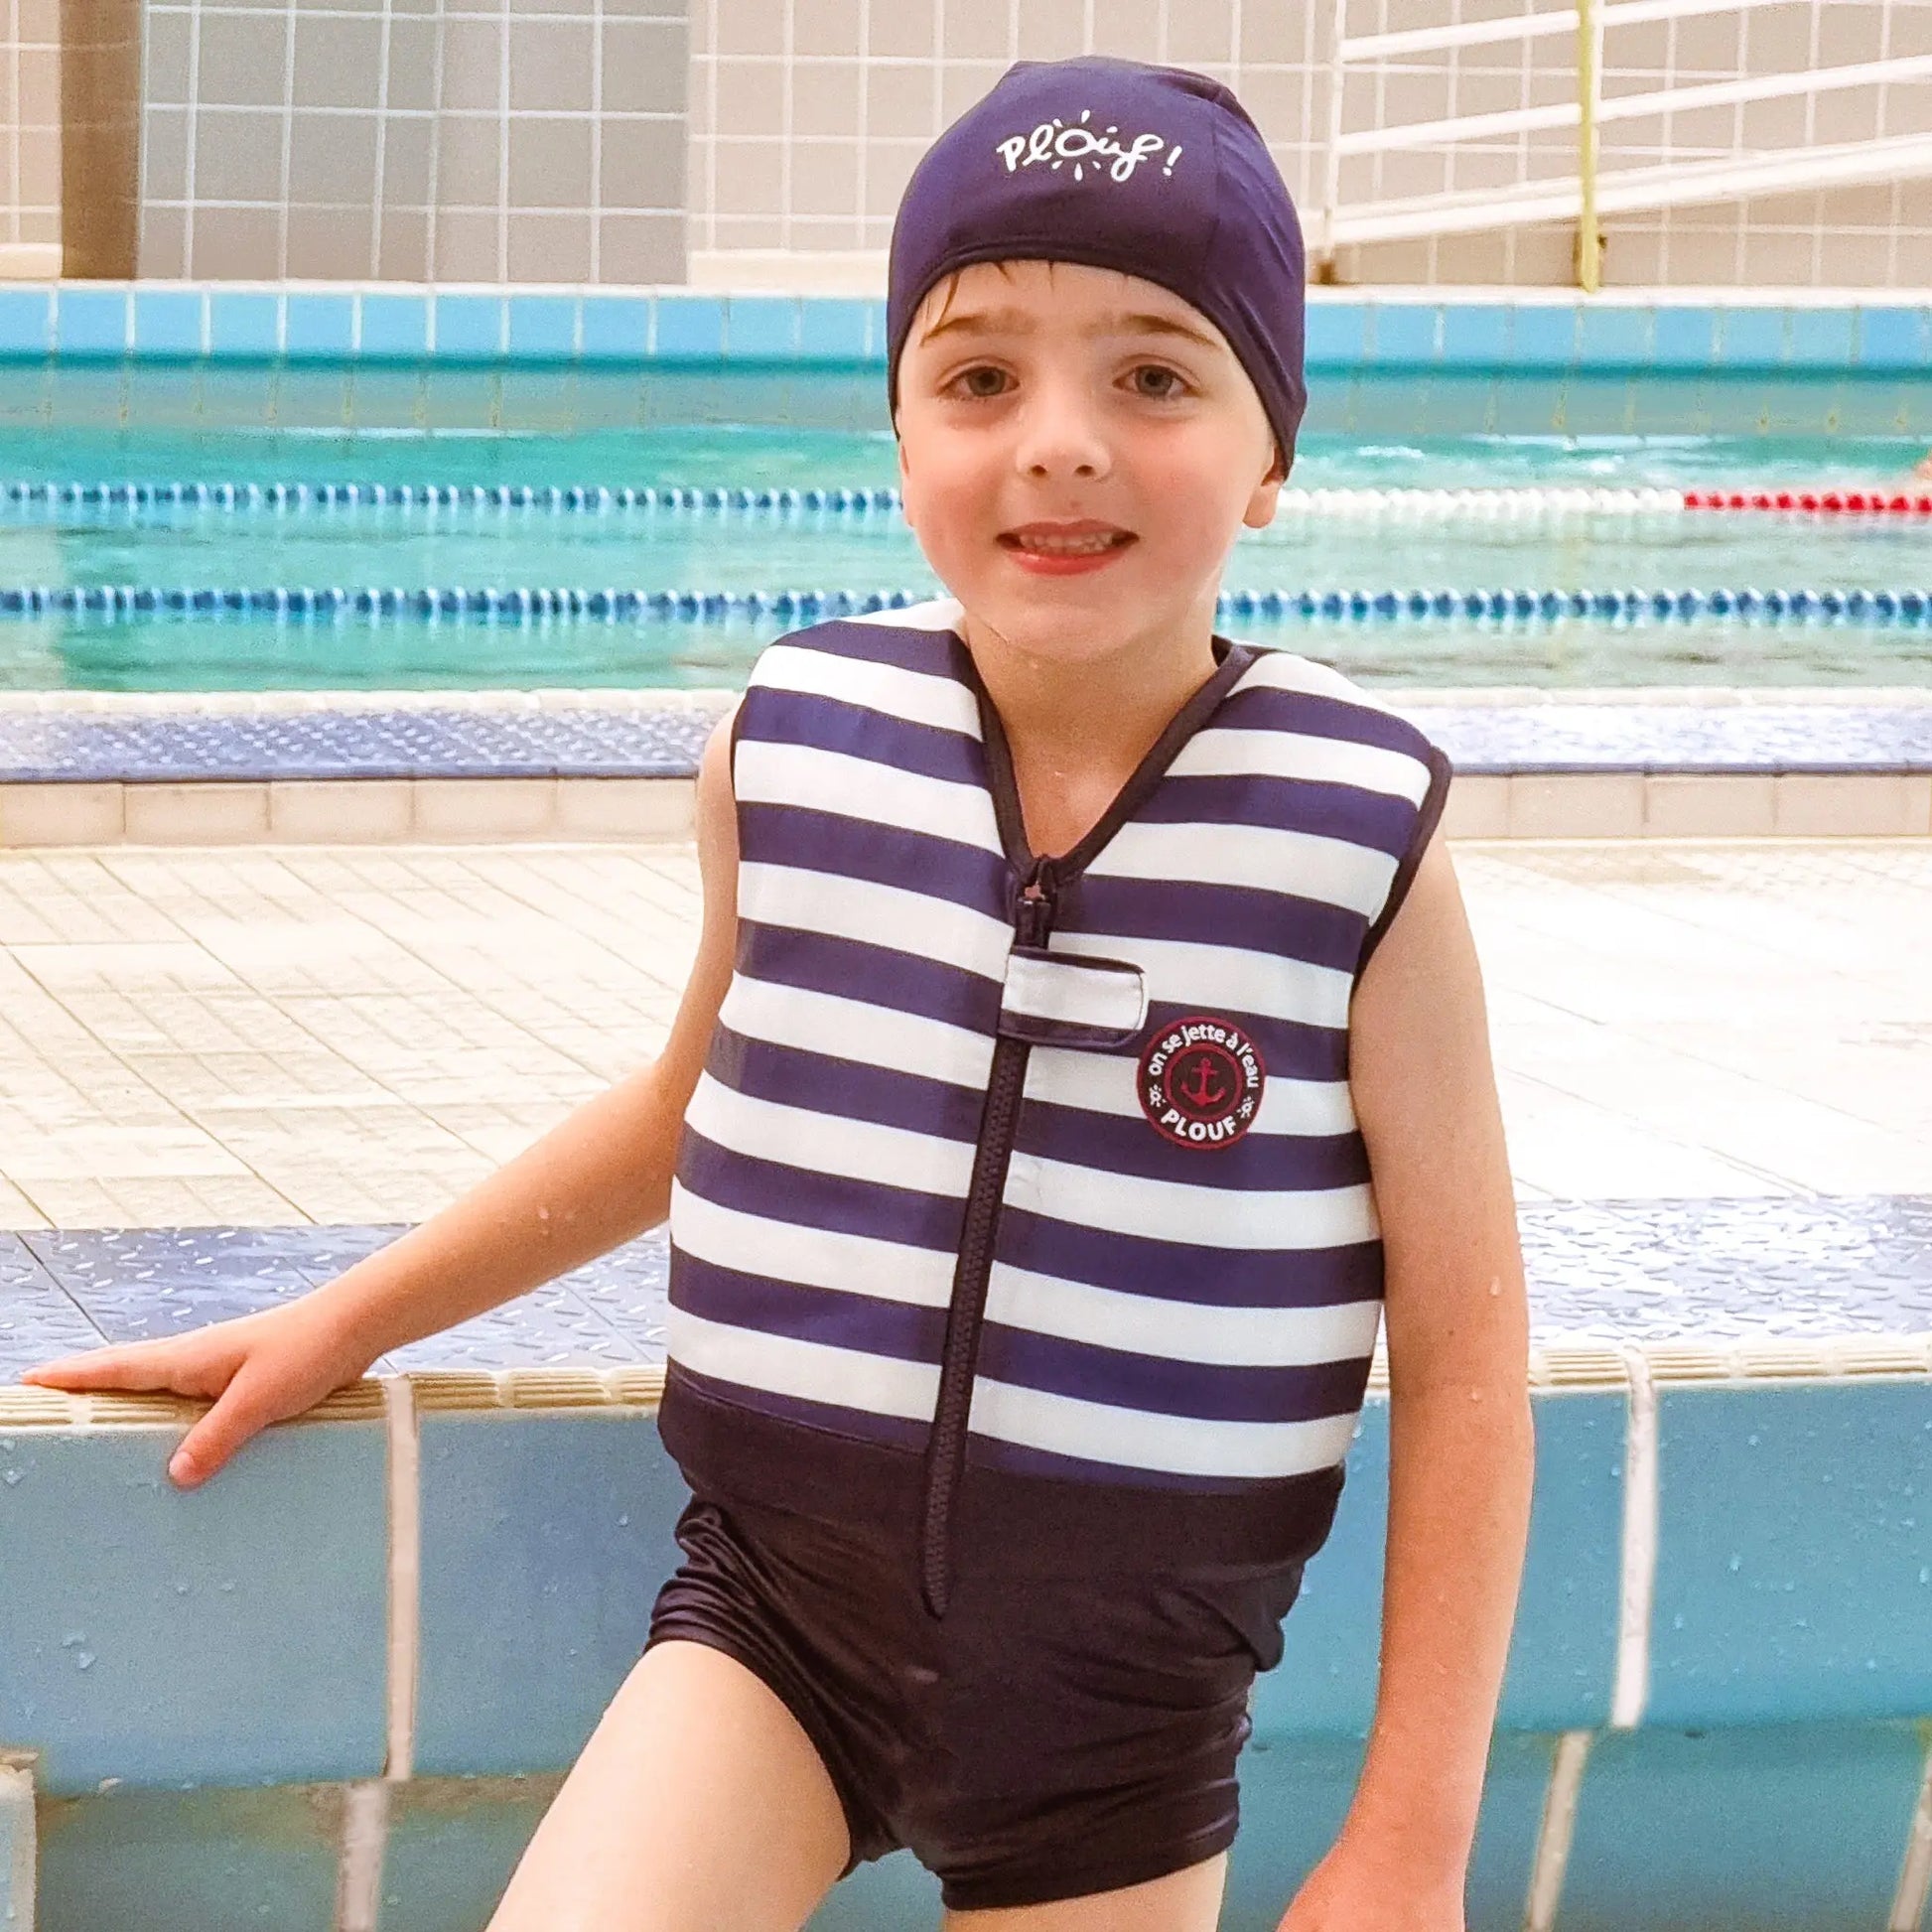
1062 548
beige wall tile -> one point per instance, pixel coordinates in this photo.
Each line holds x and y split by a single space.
403 255
1200 33
904 32
546 247
163 244
166 77
341 811
195 814
550 164
641 248
330 243
77 814
1478 807
332 159
473 66
165 157
825 98
825 179
237 154
750 27
750 98
338 62
750 177
646 65
975 31
484 808
1575 805
1050 30
464 245
233 243
469 159
243 59
551 64
405 161
626 808
641 164
412 65
1848 805
1685 805
825 27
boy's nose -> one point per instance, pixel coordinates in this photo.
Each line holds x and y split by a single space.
1059 438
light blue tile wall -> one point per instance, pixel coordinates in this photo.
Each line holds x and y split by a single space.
1508 337
1794 1565
192 1862
1563 1657
526 1636
236 1634
1781 1830
453 1845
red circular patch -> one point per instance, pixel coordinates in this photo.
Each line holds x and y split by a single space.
1201 1082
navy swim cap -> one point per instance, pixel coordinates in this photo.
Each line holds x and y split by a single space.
1111 163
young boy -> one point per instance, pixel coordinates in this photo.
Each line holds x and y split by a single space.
1066 971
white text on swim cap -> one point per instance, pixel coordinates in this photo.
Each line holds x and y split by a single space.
1057 144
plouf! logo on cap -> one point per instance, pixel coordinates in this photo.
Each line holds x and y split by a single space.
1202 1081
1085 149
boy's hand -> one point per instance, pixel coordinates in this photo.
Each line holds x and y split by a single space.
1360 1889
258 1368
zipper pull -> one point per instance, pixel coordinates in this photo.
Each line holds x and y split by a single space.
1032 919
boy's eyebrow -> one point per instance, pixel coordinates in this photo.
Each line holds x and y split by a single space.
1019 322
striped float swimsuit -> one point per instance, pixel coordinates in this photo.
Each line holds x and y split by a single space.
1038 1180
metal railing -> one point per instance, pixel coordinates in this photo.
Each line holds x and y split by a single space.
1628 151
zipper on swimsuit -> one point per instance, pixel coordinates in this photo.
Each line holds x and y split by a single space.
979 1234
1033 921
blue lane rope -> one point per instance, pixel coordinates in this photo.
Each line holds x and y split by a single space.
431 496
299 603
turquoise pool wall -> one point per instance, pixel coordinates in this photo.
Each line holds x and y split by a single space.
236 1683
392 323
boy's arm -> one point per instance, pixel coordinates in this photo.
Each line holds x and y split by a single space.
597 1179
1461 1455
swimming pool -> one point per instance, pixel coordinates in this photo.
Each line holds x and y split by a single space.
68 429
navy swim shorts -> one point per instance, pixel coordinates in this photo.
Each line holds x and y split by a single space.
1062 1730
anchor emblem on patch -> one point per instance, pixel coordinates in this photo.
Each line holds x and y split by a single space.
1202 1081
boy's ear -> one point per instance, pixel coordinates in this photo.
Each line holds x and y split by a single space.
1266 492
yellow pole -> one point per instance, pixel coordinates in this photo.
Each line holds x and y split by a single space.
1589 59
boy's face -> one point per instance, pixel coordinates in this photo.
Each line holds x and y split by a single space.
1078 450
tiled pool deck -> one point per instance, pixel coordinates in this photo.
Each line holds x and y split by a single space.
1712 1056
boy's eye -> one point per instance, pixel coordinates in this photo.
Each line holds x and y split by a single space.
982 381
1157 381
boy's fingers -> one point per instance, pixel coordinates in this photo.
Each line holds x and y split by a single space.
104 1368
215 1438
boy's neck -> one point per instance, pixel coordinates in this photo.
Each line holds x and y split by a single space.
1076 733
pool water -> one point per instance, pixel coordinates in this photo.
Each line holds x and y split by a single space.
212 423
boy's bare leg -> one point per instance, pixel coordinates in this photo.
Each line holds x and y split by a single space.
698 1805
1183 1902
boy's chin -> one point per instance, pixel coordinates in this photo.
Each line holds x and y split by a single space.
1064 626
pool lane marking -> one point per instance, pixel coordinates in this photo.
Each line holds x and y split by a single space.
366 1804
1801 606
1410 502
1915 1873
1557 1829
1631 1689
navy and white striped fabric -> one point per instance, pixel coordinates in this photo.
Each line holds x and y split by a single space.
1157 1313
